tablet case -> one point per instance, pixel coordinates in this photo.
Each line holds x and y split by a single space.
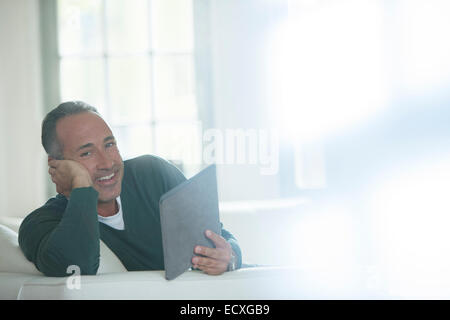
186 212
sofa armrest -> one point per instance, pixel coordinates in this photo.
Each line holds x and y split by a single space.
251 283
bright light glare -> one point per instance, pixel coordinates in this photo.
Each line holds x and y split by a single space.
324 241
425 25
412 222
324 244
329 67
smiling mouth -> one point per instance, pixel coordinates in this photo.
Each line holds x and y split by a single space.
105 180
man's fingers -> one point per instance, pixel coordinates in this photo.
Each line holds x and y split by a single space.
209 266
214 260
219 241
53 163
203 262
209 252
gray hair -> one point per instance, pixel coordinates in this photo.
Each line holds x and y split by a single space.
49 138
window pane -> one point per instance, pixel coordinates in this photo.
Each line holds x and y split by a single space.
174 88
127 25
172 25
79 27
82 79
133 141
180 142
129 80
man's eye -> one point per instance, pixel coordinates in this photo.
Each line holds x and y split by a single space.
85 154
110 144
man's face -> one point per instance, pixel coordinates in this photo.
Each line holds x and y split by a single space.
87 139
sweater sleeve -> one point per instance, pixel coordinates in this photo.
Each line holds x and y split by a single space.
234 246
55 240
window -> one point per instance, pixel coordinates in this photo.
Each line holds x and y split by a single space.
134 61
331 75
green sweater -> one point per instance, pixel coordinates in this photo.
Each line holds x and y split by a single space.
66 232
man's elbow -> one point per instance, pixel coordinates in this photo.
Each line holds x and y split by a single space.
70 270
90 270
51 267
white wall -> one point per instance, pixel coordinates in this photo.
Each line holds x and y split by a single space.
22 159
239 58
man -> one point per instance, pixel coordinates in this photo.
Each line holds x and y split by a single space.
102 197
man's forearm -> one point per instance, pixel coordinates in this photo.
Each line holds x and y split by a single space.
75 240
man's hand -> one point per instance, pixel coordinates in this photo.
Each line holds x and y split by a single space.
68 175
215 260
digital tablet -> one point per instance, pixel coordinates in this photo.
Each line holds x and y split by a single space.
186 212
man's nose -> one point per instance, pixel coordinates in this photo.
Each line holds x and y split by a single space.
104 161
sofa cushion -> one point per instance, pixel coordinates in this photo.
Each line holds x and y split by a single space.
10 284
13 260
11 222
260 283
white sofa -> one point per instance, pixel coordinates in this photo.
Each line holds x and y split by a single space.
19 279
